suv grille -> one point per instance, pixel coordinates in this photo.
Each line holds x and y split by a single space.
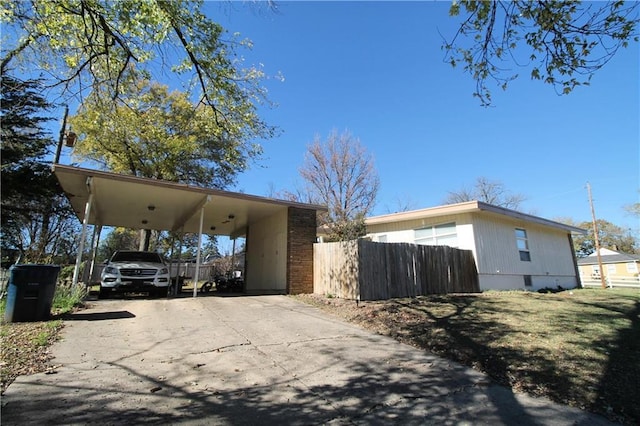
134 272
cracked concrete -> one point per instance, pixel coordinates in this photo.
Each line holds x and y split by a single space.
254 360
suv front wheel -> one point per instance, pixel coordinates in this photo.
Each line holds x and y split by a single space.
104 293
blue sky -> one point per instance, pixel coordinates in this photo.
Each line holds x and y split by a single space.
376 69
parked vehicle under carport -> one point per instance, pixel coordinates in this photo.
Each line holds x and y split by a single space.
134 272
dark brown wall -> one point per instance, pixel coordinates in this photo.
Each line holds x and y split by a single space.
301 234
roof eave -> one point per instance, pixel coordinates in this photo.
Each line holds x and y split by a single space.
468 207
186 187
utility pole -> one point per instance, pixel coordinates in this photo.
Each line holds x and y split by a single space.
595 237
63 129
69 138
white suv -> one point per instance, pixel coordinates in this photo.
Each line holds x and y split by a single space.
133 272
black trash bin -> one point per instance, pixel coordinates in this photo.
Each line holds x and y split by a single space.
30 292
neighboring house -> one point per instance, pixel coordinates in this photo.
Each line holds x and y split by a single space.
513 250
616 265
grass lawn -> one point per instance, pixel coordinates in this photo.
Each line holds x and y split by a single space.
24 346
579 347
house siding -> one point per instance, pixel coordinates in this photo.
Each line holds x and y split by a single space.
499 264
491 238
266 256
619 269
403 232
549 249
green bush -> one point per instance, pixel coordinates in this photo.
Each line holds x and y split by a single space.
66 272
68 297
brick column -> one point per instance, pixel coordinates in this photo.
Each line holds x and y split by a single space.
301 234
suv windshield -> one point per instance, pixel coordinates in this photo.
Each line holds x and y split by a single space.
136 256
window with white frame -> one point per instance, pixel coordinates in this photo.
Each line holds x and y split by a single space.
438 235
595 271
611 269
522 243
632 267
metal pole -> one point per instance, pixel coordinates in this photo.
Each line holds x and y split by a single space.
233 259
83 236
178 270
197 274
174 290
94 244
596 238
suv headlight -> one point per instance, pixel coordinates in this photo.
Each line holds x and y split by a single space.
164 271
110 270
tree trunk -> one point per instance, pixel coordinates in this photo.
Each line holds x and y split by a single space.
145 238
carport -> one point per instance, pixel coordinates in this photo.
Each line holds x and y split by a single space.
279 234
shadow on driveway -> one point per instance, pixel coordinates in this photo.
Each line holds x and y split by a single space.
266 360
97 316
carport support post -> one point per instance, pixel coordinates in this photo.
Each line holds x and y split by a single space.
94 244
178 269
233 259
174 287
83 235
197 274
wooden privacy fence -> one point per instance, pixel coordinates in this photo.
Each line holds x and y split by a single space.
374 271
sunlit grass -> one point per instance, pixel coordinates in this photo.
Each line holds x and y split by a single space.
579 347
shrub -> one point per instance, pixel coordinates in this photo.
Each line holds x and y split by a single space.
66 272
68 297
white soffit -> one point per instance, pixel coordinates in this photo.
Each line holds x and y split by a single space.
128 201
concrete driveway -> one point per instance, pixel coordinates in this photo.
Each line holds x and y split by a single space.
254 360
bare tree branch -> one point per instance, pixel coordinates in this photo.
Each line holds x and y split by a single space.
487 191
341 174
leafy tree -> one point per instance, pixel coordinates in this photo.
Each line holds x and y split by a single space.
104 48
49 234
36 218
67 243
168 244
341 174
83 44
609 235
152 133
633 209
24 145
118 239
210 249
149 132
562 43
487 191
162 242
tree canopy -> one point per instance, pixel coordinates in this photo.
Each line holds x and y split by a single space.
80 45
34 212
560 42
151 132
610 236
633 209
101 51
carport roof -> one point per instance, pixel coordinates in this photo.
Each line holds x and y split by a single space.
140 203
